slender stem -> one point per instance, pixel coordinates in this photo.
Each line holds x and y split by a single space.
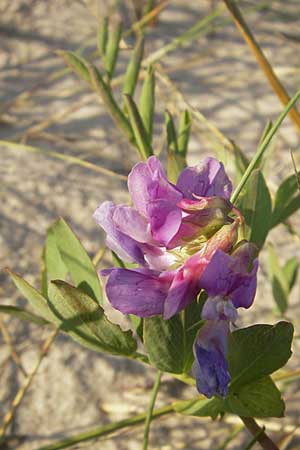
265 442
263 146
150 410
107 429
264 64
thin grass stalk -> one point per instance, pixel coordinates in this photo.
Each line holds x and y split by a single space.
150 410
66 158
263 62
28 381
107 429
263 146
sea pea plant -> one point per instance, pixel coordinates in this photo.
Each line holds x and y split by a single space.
185 260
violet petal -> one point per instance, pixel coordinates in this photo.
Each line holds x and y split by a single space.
148 182
135 292
130 222
206 179
210 367
126 248
165 220
225 276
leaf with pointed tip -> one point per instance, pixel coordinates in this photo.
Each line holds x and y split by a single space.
290 271
147 102
104 91
201 407
76 63
22 314
137 125
256 206
133 67
286 200
53 264
191 319
102 36
280 285
75 258
81 317
164 342
176 160
37 301
112 49
257 351
184 129
261 398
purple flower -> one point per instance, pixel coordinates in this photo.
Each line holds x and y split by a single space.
165 233
210 367
230 282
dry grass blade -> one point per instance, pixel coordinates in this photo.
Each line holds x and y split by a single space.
200 118
37 128
13 352
67 158
22 391
264 64
99 255
149 17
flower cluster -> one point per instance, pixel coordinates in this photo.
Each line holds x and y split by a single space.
182 239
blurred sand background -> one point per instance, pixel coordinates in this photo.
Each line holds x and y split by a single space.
76 389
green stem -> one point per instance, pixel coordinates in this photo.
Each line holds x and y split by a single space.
263 146
107 429
150 410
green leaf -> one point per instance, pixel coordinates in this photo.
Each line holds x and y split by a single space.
176 160
176 149
133 67
164 342
241 162
260 398
75 258
140 134
22 314
76 63
37 301
286 202
256 206
280 294
257 351
112 49
290 271
53 264
85 321
137 323
263 147
184 129
147 102
280 286
200 408
104 91
191 325
102 37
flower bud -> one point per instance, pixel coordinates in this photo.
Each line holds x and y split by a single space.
224 239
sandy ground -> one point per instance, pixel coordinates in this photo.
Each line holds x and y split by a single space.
75 388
